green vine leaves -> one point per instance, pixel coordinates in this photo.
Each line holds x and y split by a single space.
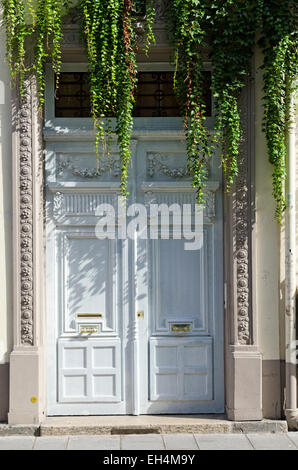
279 41
110 38
41 22
189 36
228 27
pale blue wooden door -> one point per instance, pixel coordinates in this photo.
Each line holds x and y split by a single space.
179 290
134 325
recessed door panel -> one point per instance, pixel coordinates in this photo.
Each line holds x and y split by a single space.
89 371
181 369
177 285
89 272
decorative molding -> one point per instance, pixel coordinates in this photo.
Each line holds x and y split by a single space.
72 38
242 216
209 200
80 203
58 204
26 216
112 165
180 196
156 163
161 10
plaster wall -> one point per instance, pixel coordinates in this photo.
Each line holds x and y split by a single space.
5 228
269 295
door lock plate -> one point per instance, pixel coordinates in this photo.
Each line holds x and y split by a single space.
88 329
181 328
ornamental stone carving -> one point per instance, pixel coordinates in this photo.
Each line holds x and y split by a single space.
161 10
181 197
72 38
157 164
26 217
58 204
112 165
242 217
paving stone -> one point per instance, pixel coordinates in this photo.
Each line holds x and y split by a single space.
223 442
180 442
94 443
294 437
51 443
271 441
142 442
17 442
266 425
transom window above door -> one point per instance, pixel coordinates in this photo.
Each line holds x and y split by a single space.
155 95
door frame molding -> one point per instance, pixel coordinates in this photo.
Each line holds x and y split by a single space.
27 360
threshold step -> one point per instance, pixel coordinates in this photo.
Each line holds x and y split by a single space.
121 425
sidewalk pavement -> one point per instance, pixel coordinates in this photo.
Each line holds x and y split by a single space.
249 441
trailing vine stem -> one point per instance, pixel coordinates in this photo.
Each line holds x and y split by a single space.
229 27
41 23
279 41
188 37
109 29
16 32
232 36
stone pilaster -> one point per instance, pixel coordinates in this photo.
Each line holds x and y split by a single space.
27 396
243 359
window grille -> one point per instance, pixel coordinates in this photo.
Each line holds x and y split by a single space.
154 98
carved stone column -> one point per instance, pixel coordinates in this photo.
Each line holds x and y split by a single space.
27 392
243 359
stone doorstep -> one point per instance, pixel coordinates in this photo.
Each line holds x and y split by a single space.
19 430
115 425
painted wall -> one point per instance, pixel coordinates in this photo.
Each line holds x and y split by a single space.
270 265
5 228
268 292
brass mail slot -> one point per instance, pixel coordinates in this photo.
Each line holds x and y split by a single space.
89 329
181 328
89 315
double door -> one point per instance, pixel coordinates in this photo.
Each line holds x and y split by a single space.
134 303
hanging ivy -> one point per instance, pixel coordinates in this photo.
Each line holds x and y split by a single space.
42 21
16 32
279 41
189 36
111 44
228 27
232 36
109 27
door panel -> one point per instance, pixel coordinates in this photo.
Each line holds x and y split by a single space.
134 325
89 371
89 279
178 285
180 369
